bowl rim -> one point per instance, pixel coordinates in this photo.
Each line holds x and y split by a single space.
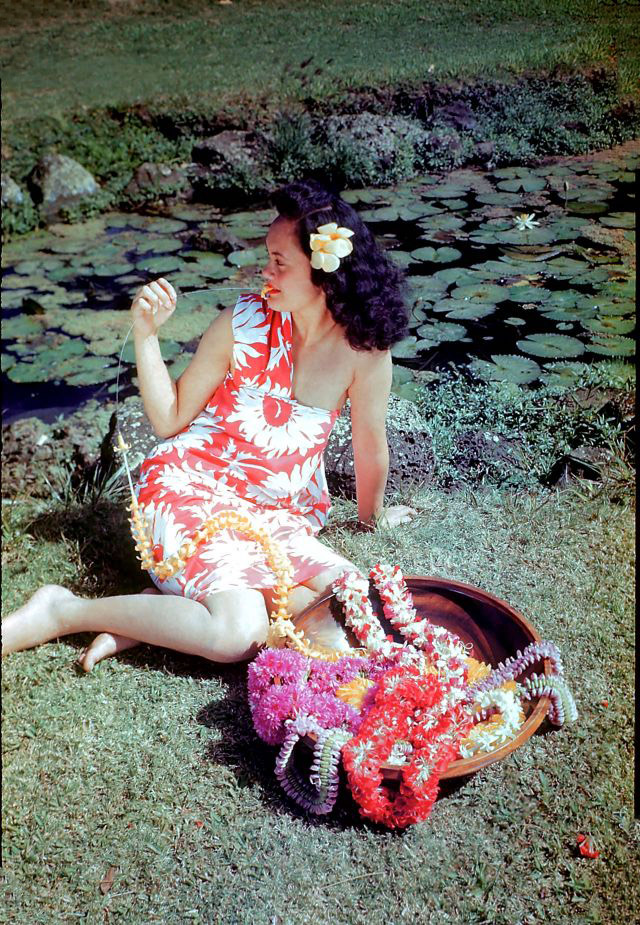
464 766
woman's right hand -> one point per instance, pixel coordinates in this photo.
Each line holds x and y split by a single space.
152 305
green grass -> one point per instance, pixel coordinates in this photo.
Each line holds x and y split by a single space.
150 764
60 57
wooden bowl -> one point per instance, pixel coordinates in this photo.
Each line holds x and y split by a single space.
495 630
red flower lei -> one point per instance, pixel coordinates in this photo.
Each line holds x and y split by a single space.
409 708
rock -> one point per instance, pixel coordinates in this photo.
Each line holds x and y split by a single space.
483 152
68 448
387 147
58 180
476 451
215 238
12 195
162 179
458 114
411 460
584 462
226 148
230 160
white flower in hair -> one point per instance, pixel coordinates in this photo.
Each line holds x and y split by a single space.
329 245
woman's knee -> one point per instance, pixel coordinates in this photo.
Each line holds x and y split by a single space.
240 625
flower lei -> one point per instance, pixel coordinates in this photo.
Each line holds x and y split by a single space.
410 705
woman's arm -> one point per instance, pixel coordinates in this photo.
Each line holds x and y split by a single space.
369 395
170 405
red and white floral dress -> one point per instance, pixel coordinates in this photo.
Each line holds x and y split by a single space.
255 450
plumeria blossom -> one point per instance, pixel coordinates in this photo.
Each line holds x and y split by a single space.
329 246
524 221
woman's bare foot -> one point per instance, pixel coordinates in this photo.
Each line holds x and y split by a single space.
37 621
106 644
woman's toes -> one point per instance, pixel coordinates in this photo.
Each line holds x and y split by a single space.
104 645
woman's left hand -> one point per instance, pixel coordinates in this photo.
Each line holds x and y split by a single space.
395 515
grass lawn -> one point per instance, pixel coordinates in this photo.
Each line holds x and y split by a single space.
150 765
59 56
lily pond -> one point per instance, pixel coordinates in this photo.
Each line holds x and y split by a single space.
519 274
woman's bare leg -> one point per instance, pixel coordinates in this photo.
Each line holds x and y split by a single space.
106 644
229 626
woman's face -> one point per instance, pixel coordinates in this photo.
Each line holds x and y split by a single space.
288 269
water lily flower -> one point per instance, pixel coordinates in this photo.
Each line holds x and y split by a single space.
525 221
329 245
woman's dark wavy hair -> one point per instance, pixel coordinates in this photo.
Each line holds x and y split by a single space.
365 295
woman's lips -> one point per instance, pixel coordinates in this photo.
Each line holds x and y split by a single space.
268 290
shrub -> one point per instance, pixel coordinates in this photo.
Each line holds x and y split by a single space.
526 431
290 149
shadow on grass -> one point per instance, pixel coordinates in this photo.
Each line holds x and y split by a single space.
252 761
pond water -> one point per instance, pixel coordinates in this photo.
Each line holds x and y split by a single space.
529 300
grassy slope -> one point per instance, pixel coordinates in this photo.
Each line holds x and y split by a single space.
202 54
150 763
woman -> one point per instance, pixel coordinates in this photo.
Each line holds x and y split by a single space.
244 429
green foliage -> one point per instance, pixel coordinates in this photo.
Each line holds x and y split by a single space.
530 429
19 219
540 117
291 150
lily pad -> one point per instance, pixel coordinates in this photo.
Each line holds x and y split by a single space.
481 292
405 348
528 293
112 269
249 257
500 199
165 225
587 208
20 327
445 191
405 212
102 254
609 325
455 204
506 368
459 275
410 391
613 346
516 322
436 254
437 332
563 374
354 196
158 246
7 360
426 286
472 312
160 265
522 184
438 223
551 345
401 258
618 220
